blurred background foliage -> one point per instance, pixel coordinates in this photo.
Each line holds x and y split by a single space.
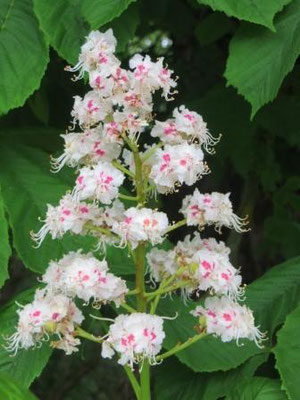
237 67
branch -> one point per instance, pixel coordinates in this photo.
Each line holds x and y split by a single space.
177 225
181 346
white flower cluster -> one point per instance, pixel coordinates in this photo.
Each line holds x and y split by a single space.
53 311
83 276
46 315
211 209
229 320
203 262
135 337
141 224
205 266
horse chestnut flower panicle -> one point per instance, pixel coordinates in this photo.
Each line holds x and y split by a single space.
141 224
229 320
112 116
85 277
135 337
212 209
46 315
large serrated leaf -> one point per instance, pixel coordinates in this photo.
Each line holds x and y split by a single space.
259 59
257 11
287 353
23 53
5 250
271 298
26 365
64 26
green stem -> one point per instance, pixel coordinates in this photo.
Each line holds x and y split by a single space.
145 381
127 308
139 277
177 225
121 167
159 292
134 383
181 346
99 229
130 198
86 335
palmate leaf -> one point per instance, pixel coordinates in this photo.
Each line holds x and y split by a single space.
23 53
257 11
26 365
259 59
271 297
5 250
287 353
63 25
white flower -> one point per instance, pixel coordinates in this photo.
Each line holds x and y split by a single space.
211 209
191 125
229 320
175 165
130 122
184 126
213 271
167 132
84 276
69 215
142 224
47 314
100 182
88 147
97 53
91 109
135 337
151 76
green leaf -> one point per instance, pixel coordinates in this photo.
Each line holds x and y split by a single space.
5 250
259 60
287 353
271 298
175 381
27 364
98 13
23 53
63 25
11 390
257 389
257 11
